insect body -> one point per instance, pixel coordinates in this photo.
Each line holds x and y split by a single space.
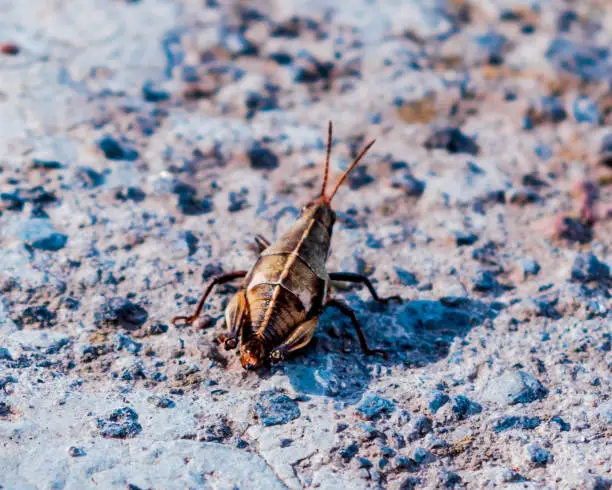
282 296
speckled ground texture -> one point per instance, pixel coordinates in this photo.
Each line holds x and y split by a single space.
143 144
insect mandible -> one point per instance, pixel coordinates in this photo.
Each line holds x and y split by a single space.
281 298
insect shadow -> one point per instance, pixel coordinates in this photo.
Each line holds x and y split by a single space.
414 334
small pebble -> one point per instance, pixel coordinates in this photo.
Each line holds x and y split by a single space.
585 111
529 267
372 407
76 452
453 141
262 158
120 424
538 455
463 407
274 408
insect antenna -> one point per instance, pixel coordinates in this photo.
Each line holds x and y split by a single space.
329 145
351 167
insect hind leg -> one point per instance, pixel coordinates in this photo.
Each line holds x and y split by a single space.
221 279
236 315
352 277
300 338
344 308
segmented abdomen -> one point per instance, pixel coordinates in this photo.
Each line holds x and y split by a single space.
274 312
287 282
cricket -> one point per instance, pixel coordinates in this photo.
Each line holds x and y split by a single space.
277 308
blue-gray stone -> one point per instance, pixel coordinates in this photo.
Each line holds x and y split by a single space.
113 150
586 61
530 267
5 355
438 401
484 282
347 453
120 424
374 406
516 422
585 110
515 387
127 343
463 407
274 408
40 234
588 268
538 455
405 277
122 312
464 238
563 425
262 158
453 141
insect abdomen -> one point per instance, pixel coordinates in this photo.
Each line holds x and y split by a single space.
274 312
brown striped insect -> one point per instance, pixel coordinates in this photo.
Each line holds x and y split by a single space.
277 308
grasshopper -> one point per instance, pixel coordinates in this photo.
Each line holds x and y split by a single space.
277 308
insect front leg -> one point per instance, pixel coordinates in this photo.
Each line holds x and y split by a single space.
344 308
352 277
300 337
236 315
221 279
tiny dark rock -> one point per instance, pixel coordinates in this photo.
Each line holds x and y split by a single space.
606 151
131 194
485 282
359 178
158 329
274 408
563 425
88 178
373 407
5 355
420 427
404 463
347 453
125 342
150 93
188 201
588 268
438 401
516 422
52 243
465 238
262 158
121 312
76 452
529 267
113 150
406 278
120 424
530 389
586 111
453 141
588 62
39 316
463 407
538 455
545 110
411 186
161 402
